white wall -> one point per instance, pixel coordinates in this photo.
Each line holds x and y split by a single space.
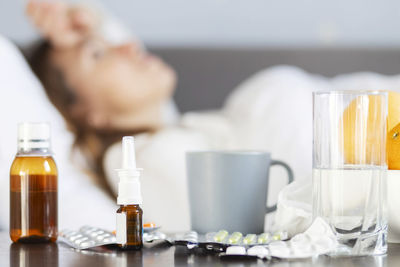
243 22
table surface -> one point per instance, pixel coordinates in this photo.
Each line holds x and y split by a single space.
58 254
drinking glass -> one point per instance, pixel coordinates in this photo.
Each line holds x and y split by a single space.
349 168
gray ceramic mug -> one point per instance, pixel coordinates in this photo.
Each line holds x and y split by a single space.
228 189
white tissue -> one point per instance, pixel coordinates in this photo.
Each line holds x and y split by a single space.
294 208
317 240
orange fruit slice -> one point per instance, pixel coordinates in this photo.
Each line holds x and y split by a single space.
364 148
362 143
393 148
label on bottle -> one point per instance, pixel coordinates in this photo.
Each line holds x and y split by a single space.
121 228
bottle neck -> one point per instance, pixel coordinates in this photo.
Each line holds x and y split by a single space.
31 151
35 145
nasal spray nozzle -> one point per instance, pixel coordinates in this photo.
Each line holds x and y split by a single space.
129 184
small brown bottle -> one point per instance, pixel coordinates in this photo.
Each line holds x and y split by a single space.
129 215
129 220
33 187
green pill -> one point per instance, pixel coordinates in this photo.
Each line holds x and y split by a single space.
250 239
277 236
235 238
263 238
220 236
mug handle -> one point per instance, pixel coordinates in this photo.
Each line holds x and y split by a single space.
290 179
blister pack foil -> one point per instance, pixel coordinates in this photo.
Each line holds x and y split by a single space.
89 237
318 239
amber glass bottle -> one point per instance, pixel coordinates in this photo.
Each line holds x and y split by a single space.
131 216
33 187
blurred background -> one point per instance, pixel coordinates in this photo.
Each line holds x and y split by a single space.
359 23
215 44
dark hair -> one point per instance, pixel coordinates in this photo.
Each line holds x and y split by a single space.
91 142
51 78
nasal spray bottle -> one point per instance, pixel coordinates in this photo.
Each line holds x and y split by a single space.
129 214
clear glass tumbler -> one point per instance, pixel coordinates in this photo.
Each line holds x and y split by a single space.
349 168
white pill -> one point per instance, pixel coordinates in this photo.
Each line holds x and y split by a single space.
259 251
74 237
87 244
80 240
236 250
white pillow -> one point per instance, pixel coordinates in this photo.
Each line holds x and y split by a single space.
22 98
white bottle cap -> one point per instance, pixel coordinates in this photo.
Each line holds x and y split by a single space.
33 135
129 192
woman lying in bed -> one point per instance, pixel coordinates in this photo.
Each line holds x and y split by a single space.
105 91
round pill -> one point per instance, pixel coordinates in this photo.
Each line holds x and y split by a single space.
99 238
87 244
80 240
74 237
96 233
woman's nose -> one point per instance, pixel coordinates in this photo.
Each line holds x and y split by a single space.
128 49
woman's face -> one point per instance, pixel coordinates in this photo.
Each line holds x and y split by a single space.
111 82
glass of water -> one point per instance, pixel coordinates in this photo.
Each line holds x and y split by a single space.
349 168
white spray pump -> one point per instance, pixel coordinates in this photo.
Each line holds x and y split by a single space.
129 192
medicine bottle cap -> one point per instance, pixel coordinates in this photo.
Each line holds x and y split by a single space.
129 192
33 135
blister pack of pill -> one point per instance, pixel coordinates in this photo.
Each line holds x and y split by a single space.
222 239
258 251
87 237
316 240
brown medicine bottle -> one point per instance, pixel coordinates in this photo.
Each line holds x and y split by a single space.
33 187
130 216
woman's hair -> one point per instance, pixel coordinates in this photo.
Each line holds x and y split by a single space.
91 142
38 56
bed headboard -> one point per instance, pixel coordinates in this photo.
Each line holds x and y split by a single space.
206 76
